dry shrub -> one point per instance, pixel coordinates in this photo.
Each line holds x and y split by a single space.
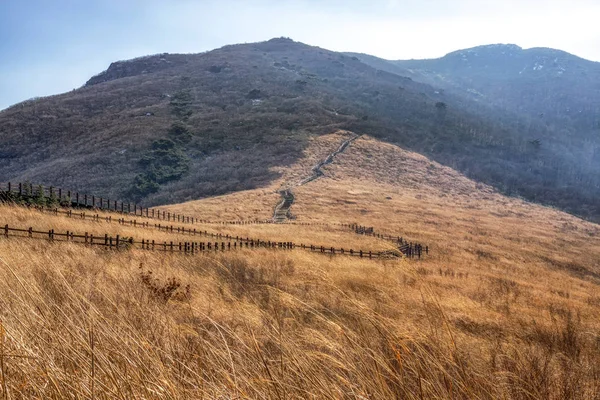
165 290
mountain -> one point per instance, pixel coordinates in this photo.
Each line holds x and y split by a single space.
556 86
549 97
169 128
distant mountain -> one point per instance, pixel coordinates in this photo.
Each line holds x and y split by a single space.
170 127
549 84
549 97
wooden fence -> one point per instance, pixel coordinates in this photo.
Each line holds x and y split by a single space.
181 230
65 198
407 248
116 242
187 247
410 250
32 193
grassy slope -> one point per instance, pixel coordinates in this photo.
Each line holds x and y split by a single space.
505 307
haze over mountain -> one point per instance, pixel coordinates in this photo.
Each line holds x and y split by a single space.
173 127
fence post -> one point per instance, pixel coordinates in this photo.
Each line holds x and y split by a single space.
6 230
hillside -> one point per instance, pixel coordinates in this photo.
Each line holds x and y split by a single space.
547 96
170 128
505 304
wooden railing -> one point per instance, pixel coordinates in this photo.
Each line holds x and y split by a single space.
31 194
116 242
50 195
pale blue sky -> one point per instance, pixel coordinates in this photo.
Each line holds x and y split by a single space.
52 46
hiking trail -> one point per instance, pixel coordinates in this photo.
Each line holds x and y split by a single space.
282 210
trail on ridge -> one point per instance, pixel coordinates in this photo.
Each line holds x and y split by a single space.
282 210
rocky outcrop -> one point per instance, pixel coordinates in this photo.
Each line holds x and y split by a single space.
138 66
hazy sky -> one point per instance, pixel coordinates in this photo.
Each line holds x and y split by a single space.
52 46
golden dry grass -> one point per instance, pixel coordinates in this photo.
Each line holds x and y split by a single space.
505 306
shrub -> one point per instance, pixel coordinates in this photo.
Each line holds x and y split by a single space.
163 163
180 133
170 289
181 104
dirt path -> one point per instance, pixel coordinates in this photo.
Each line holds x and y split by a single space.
282 210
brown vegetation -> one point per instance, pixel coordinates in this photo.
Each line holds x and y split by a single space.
505 306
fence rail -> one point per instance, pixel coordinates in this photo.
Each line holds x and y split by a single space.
66 198
171 229
407 248
117 242
410 250
33 193
187 247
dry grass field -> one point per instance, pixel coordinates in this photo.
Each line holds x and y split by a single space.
504 307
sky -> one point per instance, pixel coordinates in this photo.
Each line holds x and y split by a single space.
53 46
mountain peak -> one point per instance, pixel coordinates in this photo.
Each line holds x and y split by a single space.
497 50
497 47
